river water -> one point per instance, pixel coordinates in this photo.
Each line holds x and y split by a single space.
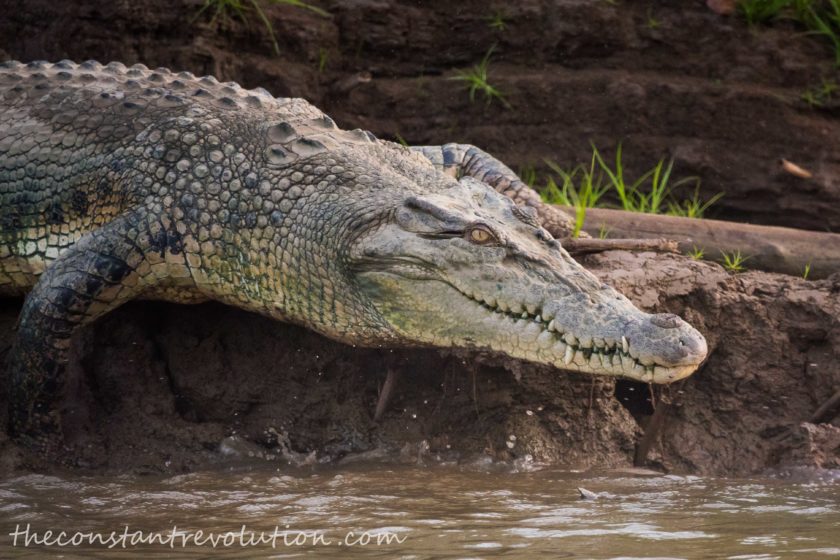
425 512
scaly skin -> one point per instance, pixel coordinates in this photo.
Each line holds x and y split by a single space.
118 183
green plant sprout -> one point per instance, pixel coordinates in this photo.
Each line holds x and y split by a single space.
497 21
734 261
226 9
400 139
476 80
323 57
692 207
603 232
817 96
806 272
697 253
652 22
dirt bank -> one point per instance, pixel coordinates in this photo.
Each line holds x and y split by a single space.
723 99
158 387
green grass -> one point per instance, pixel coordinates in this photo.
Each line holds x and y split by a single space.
806 272
476 80
823 19
580 188
697 253
586 187
497 21
225 9
528 174
818 17
817 96
692 207
651 192
734 261
323 59
761 11
652 22
400 139
632 197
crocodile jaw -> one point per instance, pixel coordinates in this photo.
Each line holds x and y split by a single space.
614 340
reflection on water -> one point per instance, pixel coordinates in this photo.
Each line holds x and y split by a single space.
438 512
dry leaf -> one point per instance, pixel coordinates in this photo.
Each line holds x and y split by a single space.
793 169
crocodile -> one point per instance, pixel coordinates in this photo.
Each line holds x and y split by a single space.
119 183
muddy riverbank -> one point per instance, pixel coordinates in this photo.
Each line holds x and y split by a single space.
165 388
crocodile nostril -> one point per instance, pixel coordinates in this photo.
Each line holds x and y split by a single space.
666 320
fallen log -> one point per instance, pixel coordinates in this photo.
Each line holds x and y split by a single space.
769 248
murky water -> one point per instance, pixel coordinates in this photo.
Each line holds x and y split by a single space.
425 512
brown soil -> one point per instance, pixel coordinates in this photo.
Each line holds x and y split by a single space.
159 387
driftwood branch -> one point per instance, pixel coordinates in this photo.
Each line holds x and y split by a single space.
580 246
769 248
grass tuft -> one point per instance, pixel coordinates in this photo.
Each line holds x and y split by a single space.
733 262
697 253
692 207
226 9
476 79
497 21
584 187
761 11
818 17
580 188
818 96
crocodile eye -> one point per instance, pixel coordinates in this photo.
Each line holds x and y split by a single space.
480 235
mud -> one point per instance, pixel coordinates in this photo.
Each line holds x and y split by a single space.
164 388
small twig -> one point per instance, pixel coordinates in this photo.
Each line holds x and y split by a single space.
385 394
827 411
583 246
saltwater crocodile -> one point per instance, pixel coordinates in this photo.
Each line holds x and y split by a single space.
119 183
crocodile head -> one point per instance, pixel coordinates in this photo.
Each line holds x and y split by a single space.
466 267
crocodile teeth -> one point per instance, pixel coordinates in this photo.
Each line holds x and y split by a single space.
538 319
552 326
570 339
545 340
570 355
524 314
625 345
